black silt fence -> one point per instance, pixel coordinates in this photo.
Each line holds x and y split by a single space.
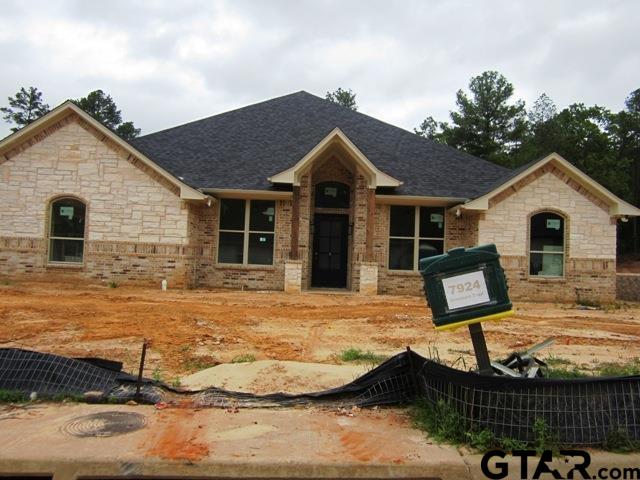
577 411
584 411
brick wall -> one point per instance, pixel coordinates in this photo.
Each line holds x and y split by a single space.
628 287
459 231
204 236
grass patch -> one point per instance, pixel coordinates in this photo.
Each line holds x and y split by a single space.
112 284
619 369
570 371
554 361
13 396
244 358
445 425
156 375
558 367
357 355
618 441
195 364
17 396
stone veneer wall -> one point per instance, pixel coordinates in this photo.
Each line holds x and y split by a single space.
136 222
590 238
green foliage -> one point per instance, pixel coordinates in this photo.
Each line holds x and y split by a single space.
244 358
554 361
487 124
13 396
432 129
444 424
176 382
441 421
195 364
346 98
544 437
610 369
25 107
618 441
156 375
569 371
357 355
112 284
103 108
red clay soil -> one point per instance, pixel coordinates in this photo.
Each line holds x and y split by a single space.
193 329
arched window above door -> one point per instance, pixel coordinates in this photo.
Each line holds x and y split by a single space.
332 195
67 230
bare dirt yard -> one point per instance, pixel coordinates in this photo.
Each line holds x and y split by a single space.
191 330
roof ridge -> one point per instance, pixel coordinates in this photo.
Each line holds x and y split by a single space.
410 133
252 105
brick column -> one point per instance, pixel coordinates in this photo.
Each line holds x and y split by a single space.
294 254
371 223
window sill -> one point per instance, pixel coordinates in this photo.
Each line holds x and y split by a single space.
543 279
65 266
237 266
404 273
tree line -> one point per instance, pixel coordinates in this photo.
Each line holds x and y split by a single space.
489 123
27 105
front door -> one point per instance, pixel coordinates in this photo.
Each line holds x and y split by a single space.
330 240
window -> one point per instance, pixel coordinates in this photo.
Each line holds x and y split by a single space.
332 195
546 245
414 233
246 231
66 233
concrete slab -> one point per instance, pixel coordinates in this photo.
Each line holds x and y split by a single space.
264 443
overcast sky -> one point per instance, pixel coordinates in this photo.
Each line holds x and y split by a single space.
169 62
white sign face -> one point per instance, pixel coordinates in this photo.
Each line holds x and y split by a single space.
465 290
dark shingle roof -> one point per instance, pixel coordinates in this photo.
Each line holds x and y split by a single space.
241 148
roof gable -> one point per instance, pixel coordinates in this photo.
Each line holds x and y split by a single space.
375 177
617 206
31 133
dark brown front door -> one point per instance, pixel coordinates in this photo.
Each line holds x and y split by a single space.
330 240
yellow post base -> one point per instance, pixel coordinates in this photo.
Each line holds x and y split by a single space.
488 318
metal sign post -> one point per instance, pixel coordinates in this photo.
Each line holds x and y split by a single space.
480 349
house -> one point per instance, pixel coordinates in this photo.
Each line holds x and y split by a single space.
290 194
